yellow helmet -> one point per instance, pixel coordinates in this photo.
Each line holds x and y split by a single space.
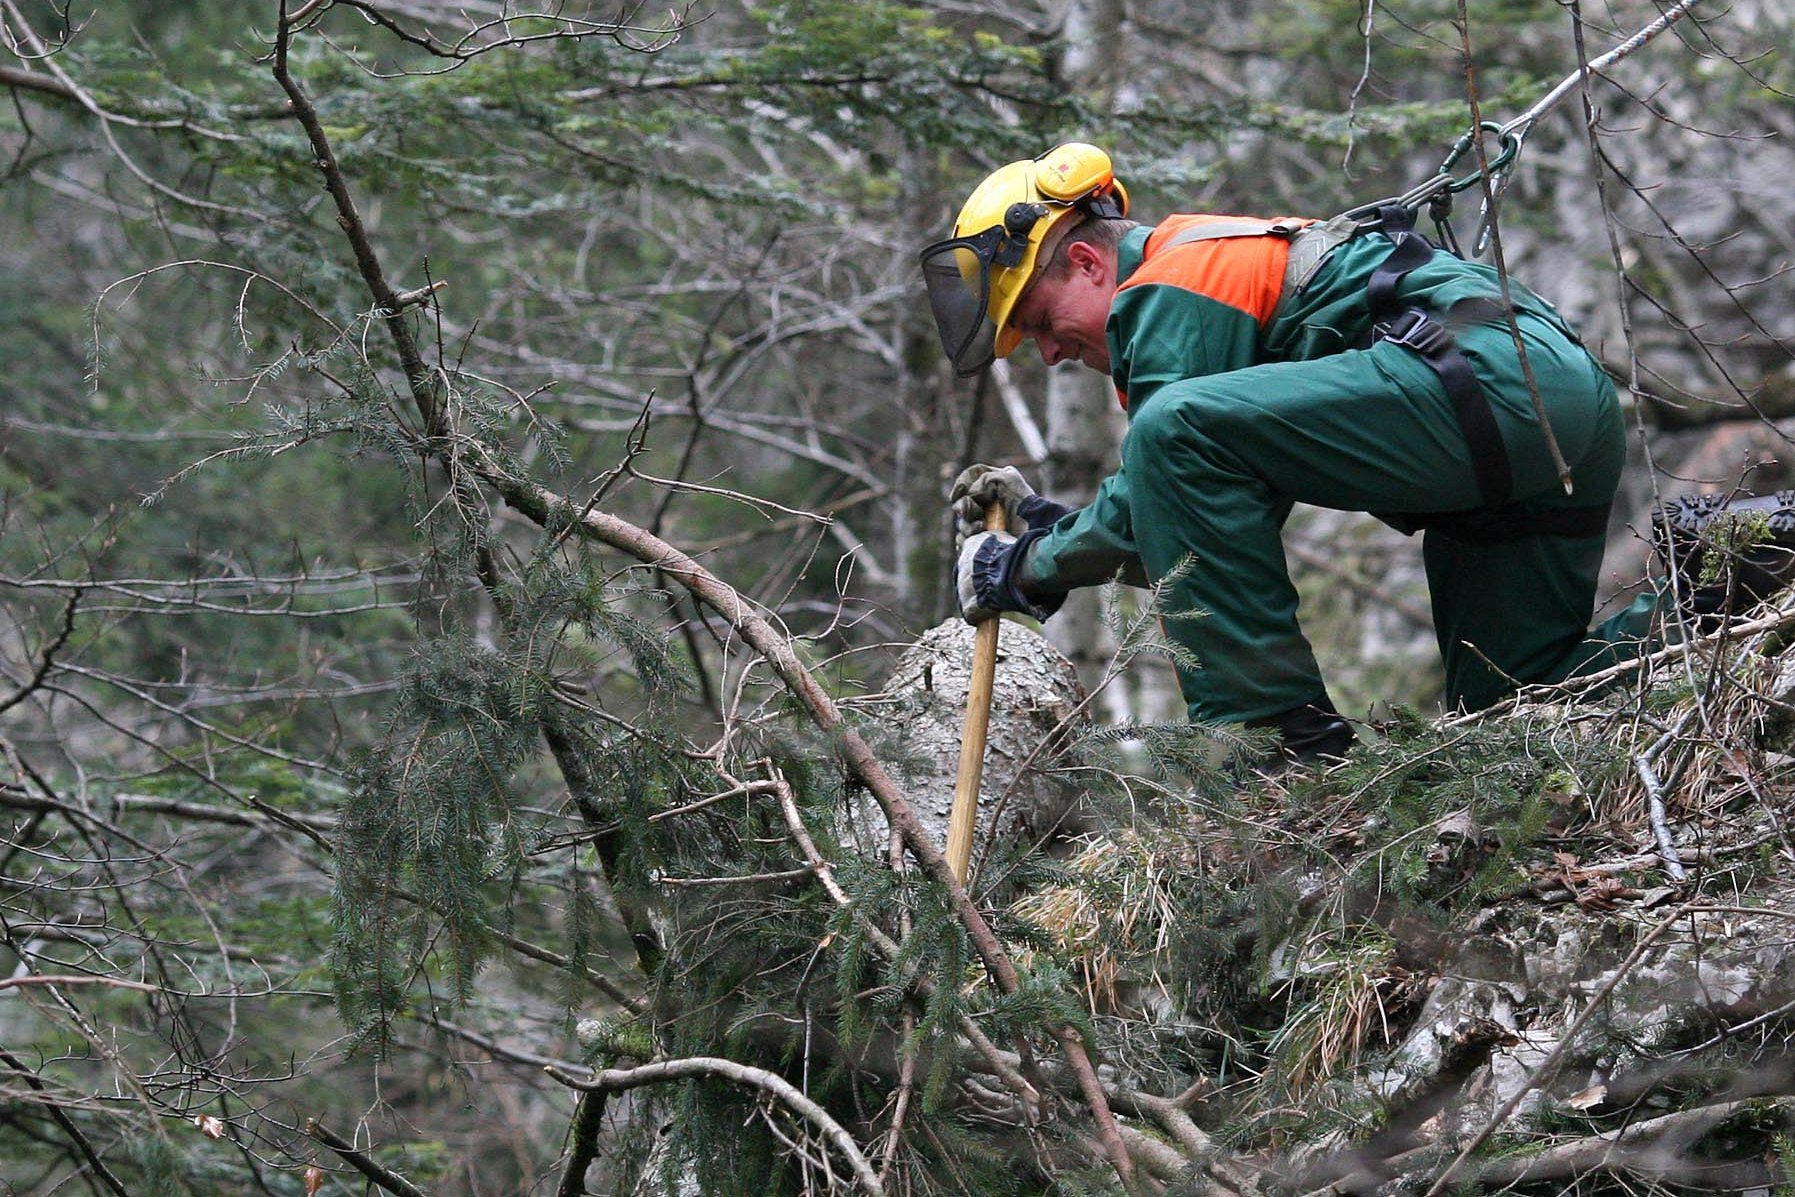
1005 234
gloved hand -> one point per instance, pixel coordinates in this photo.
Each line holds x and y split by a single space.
979 486
988 577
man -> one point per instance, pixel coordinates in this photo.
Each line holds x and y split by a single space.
1264 363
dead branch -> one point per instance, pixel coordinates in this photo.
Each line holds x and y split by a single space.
83 1145
618 1080
582 1146
36 81
1650 1149
47 659
1654 796
385 1177
77 979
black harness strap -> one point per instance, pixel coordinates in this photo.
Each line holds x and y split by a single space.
1415 329
1514 521
1410 250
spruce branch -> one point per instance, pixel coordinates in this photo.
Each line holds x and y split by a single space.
547 508
1006 1070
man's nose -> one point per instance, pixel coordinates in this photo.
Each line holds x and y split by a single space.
1052 352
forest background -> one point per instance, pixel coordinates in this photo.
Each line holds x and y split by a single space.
366 753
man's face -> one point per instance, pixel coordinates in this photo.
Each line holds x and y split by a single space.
1065 315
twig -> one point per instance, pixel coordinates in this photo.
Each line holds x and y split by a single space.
1524 123
900 1108
743 879
47 659
1488 186
907 1066
1591 681
618 1080
673 484
77 979
385 1177
1358 583
61 1118
416 295
1654 796
738 791
349 219
491 1046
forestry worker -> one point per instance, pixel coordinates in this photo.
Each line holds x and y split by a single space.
1346 364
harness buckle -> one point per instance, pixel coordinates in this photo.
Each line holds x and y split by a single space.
1416 330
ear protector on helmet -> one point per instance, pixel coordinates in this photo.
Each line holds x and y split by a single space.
1080 174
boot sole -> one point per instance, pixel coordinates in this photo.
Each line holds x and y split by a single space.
1692 526
1691 515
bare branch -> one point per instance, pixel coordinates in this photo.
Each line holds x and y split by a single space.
46 659
618 1080
381 1175
82 1144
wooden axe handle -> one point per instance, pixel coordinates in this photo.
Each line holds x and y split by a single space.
961 822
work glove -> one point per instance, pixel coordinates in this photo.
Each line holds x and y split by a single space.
988 577
979 486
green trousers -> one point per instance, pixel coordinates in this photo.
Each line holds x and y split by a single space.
1215 464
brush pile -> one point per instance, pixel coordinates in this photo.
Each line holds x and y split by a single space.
1551 946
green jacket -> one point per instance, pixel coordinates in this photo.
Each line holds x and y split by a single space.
1167 325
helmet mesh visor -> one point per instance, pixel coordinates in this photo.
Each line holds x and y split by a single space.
958 279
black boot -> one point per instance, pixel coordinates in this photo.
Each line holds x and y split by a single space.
1730 554
1311 732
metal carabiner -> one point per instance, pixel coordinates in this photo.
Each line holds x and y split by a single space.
1501 174
1509 141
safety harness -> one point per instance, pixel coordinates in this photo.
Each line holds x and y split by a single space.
1417 330
1429 338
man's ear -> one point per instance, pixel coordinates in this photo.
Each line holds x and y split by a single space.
1089 261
